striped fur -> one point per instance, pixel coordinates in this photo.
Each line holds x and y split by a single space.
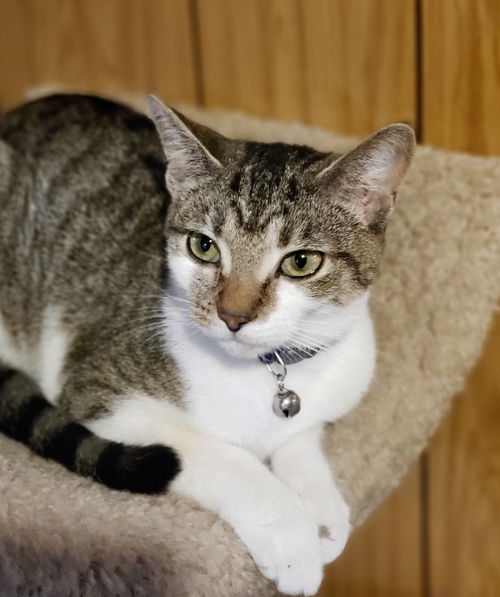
26 416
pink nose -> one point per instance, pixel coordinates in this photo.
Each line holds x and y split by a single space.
234 321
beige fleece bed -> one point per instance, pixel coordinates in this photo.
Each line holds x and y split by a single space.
62 536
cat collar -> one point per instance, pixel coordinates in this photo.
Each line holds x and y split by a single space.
286 403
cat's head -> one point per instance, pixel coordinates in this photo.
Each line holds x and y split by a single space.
272 244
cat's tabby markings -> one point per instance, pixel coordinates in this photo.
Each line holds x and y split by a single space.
52 434
140 310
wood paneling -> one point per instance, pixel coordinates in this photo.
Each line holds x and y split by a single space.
464 483
359 63
461 84
345 65
251 56
461 77
383 557
89 45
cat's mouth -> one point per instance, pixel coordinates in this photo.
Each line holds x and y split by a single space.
243 348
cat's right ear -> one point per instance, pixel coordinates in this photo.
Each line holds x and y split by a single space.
365 180
189 162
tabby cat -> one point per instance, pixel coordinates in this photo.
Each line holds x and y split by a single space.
195 334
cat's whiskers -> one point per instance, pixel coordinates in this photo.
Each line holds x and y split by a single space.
178 299
315 346
158 333
313 323
293 349
317 335
190 327
136 330
160 309
148 317
308 342
312 329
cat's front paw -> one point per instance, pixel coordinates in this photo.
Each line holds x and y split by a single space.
287 551
332 515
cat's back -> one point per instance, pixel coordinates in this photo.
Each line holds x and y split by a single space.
87 199
64 138
59 125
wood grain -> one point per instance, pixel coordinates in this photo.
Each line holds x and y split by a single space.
359 63
461 82
250 56
88 45
344 65
461 76
464 487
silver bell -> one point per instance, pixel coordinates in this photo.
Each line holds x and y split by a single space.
286 403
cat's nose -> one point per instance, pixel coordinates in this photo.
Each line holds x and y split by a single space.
234 321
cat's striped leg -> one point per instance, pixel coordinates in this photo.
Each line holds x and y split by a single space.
301 464
26 416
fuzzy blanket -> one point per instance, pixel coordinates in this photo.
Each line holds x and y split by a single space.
63 536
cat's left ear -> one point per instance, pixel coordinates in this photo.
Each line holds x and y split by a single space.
186 144
365 180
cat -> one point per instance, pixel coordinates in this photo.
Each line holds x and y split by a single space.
193 310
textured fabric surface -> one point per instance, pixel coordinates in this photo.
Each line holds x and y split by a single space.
61 535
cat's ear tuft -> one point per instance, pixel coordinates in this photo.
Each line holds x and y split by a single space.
366 180
189 162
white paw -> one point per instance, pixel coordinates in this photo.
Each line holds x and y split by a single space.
331 514
287 550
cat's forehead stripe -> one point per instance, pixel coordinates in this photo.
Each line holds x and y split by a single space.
263 187
235 183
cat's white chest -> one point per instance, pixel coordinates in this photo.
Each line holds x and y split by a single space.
232 399
235 404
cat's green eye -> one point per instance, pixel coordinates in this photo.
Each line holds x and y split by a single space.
203 247
301 263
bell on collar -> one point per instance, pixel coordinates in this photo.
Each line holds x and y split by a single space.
286 403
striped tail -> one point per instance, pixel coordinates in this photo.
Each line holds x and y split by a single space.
26 416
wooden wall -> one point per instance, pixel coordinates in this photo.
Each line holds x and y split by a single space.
461 96
350 66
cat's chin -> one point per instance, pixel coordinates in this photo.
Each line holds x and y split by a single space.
242 350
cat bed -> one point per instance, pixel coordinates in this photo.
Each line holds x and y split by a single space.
63 535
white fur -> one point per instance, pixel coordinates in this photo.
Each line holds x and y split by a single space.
12 353
271 255
264 512
43 360
51 353
301 464
231 397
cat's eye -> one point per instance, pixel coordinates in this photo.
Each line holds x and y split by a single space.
203 247
301 264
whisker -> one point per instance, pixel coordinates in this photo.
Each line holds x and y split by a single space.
158 333
308 342
314 334
137 330
177 298
292 349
